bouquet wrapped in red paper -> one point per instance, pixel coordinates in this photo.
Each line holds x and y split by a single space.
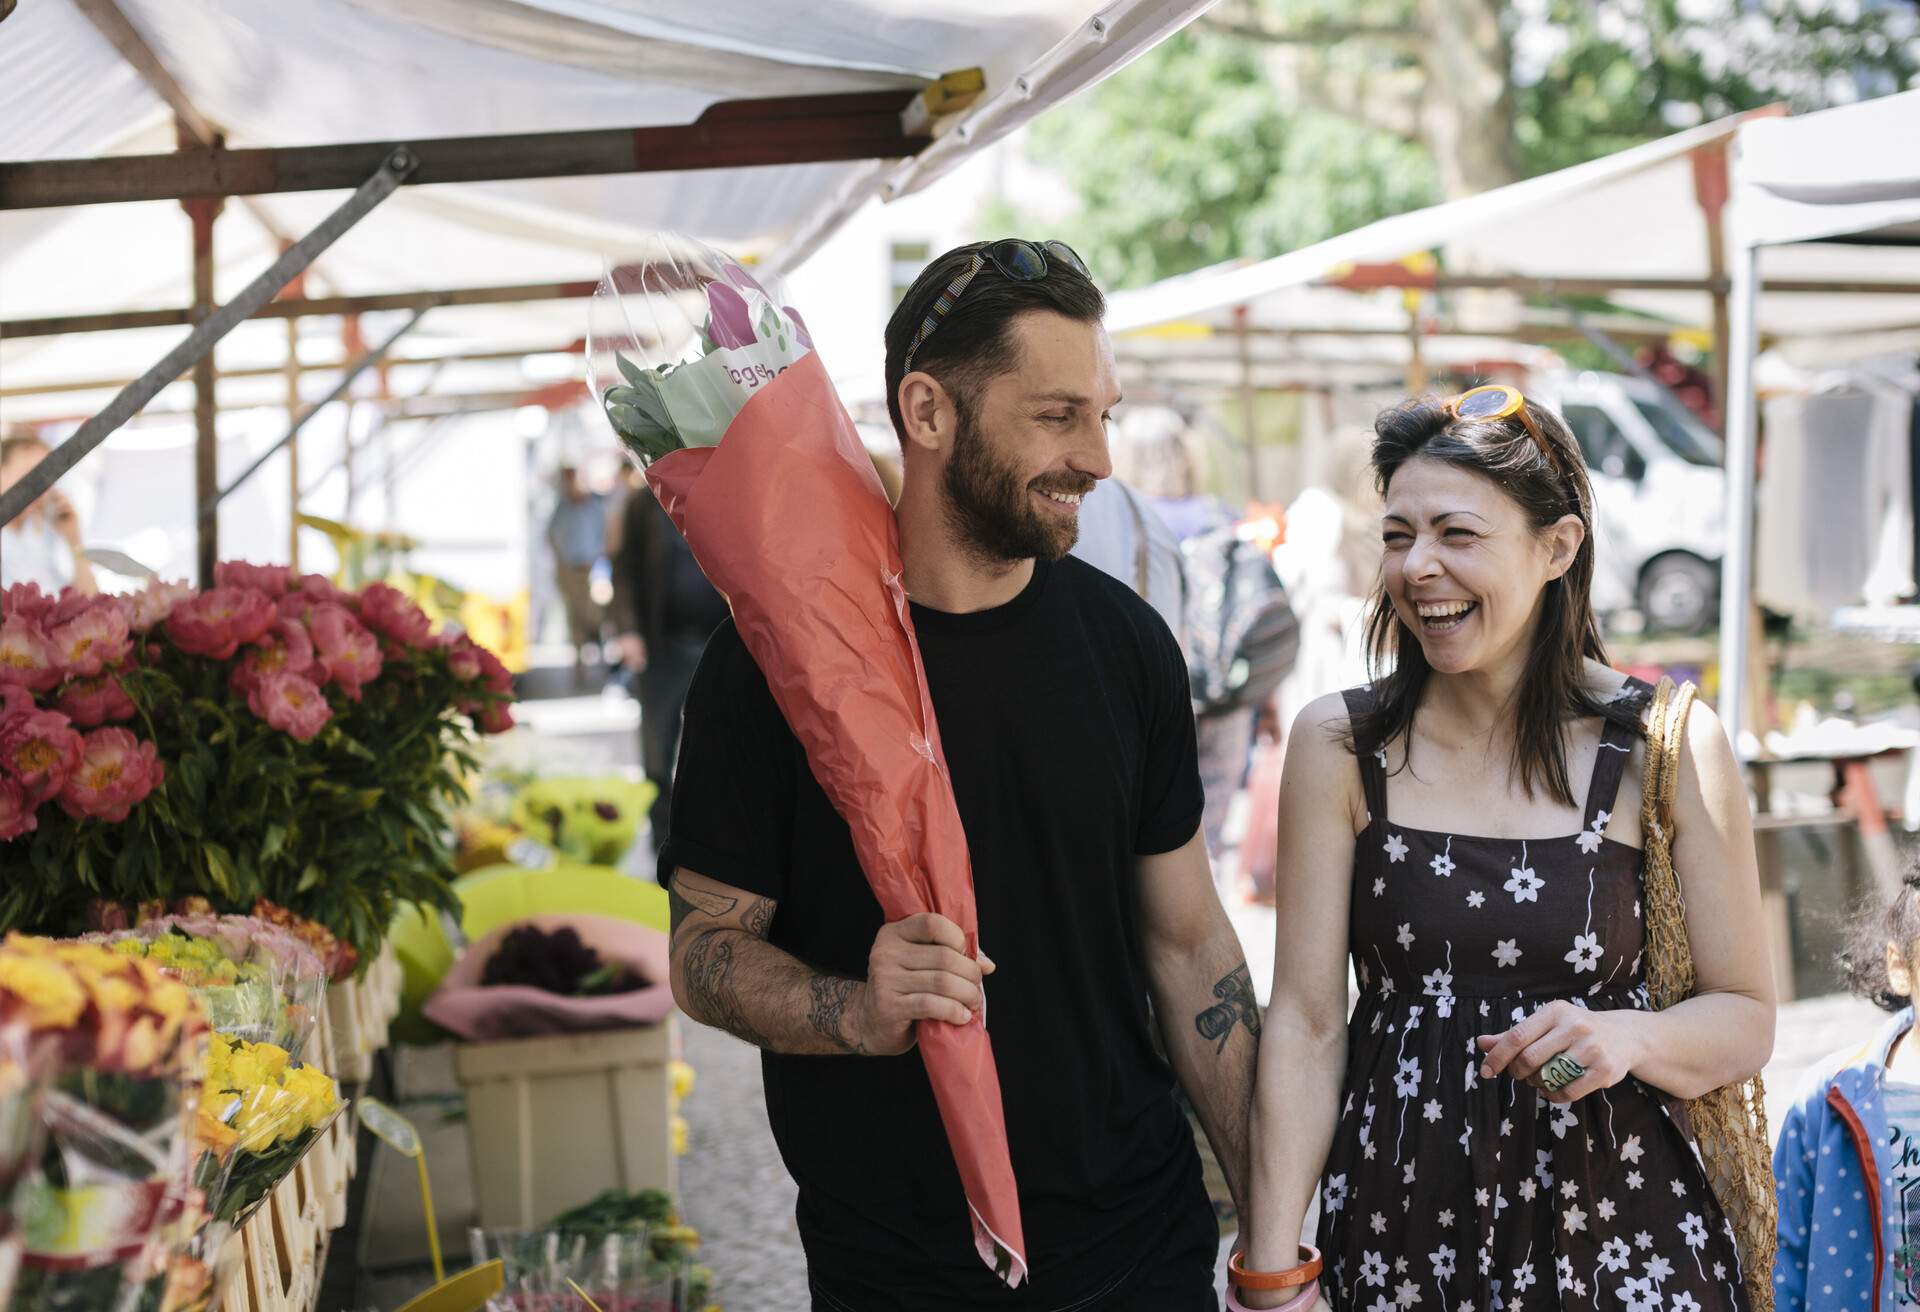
713 385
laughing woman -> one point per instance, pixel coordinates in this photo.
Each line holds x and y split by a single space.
1497 1125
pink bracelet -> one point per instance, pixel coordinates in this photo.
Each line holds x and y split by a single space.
1300 1302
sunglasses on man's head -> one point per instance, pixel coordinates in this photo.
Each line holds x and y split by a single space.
1013 259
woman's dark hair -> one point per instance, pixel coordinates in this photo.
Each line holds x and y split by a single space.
1863 961
1546 484
971 343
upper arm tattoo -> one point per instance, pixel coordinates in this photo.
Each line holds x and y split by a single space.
1237 1006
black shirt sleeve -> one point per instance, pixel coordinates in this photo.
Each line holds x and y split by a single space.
733 784
1171 799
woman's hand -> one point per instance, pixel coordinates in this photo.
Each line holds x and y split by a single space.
1604 1042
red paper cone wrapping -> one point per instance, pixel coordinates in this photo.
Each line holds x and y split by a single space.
788 520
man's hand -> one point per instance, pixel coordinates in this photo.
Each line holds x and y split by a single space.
917 971
633 652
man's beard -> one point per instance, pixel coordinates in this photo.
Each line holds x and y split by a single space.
990 509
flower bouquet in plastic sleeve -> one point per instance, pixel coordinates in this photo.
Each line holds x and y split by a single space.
712 383
108 1203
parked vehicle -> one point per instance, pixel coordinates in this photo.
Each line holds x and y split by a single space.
1659 496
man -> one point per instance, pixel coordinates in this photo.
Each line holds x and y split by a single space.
664 610
43 545
1122 535
577 533
1063 706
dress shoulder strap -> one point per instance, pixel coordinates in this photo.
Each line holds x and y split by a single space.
1616 748
1372 756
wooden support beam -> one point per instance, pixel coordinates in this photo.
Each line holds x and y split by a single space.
206 406
300 367
732 134
303 307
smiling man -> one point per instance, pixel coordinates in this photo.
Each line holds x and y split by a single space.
1063 706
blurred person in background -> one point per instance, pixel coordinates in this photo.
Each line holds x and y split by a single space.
664 611
577 532
43 545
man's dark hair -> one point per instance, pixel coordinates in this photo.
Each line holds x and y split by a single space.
972 342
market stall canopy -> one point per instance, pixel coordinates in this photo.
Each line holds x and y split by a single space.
340 71
1632 225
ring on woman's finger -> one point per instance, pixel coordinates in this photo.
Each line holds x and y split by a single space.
1561 1071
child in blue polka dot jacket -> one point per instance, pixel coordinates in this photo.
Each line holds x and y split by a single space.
1847 1165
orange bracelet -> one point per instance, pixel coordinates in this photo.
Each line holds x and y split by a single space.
1309 1269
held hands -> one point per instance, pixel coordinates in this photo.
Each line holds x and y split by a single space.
1602 1041
918 970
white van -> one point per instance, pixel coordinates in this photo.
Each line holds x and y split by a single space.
1658 492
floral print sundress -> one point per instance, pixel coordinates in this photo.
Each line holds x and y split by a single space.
1449 1193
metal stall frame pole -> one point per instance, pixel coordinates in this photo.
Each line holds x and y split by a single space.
34 484
202 212
1742 466
360 366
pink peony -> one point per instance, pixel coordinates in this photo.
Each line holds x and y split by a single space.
97 638
463 659
116 772
497 718
153 603
275 580
291 703
37 749
390 612
345 649
16 810
26 600
284 648
27 658
218 620
97 700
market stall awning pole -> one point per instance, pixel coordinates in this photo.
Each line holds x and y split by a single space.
1736 566
210 330
859 125
360 366
304 307
206 408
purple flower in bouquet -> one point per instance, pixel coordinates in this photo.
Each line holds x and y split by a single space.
729 323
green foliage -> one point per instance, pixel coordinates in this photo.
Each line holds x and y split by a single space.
1218 145
1188 158
340 829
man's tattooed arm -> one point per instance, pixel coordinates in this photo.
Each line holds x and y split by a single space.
1236 1007
727 975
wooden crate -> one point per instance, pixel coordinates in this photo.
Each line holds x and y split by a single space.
360 1013
553 1121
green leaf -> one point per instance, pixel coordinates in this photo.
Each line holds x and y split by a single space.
275 840
309 878
219 866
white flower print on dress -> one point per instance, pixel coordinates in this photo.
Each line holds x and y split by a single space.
1432 1111
1476 899
1406 1294
1639 1295
1631 1151
1506 952
1574 1220
1373 1270
1405 937
1523 1278
1333 1196
1615 1255
1396 848
1695 1231
1436 983
1524 884
1591 837
1381 1304
1659 1269
1442 862
1442 1259
1585 954
1684 1302
1407 1082
1379 887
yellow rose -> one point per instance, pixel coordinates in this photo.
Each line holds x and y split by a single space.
266 1114
54 998
316 1092
272 1058
209 1131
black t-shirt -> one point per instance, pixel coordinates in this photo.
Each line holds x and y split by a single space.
1069 736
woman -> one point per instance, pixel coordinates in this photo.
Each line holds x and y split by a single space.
1496 1127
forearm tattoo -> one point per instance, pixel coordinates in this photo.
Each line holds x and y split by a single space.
709 971
1236 1007
757 919
831 996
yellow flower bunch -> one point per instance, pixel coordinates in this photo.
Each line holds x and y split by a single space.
195 961
130 1016
255 1098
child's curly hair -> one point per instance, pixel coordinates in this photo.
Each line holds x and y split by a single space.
1863 961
